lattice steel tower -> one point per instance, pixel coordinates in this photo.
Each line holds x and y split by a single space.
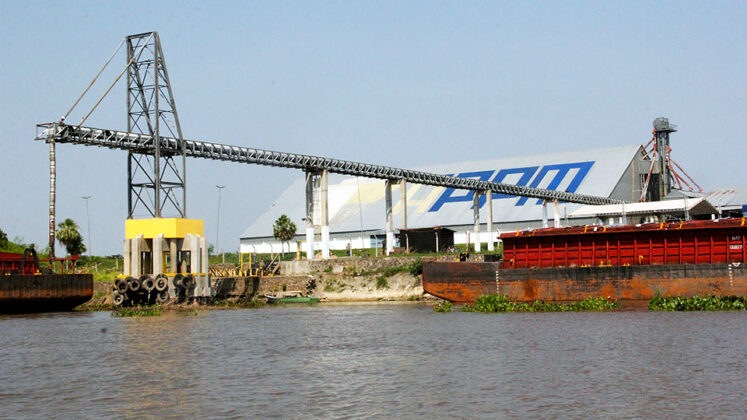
154 180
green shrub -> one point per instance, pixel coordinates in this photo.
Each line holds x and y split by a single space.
381 282
416 267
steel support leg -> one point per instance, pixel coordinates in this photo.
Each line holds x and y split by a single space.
556 213
544 213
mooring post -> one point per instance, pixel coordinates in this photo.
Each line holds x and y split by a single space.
389 223
491 237
476 210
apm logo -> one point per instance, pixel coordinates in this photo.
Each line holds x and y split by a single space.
533 173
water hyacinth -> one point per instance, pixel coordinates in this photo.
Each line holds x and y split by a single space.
135 312
501 303
698 303
443 306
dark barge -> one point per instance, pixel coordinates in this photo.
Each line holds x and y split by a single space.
24 287
621 263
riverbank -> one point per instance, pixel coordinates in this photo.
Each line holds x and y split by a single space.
350 279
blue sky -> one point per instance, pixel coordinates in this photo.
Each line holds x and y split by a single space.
399 83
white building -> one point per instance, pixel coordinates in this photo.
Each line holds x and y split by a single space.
357 208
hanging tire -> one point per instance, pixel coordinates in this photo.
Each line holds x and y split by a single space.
147 283
121 285
118 299
178 280
134 285
189 282
162 296
162 283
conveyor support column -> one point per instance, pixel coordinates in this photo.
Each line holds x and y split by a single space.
325 213
389 223
309 215
476 208
403 199
491 235
556 213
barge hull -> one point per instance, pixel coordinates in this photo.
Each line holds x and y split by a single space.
44 292
463 282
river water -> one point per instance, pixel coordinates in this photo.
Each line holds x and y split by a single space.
375 360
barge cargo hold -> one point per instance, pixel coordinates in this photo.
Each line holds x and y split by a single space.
621 263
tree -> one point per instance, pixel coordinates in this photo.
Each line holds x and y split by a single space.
3 239
284 230
68 235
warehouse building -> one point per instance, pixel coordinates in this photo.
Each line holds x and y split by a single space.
356 206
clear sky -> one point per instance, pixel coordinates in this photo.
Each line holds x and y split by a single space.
399 83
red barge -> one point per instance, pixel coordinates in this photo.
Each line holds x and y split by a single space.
620 263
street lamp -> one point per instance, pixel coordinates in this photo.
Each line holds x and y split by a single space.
217 223
88 223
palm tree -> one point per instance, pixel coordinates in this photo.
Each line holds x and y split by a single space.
284 230
68 235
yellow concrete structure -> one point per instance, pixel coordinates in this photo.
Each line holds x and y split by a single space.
168 247
168 227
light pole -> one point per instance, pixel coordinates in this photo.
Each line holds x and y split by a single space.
217 223
88 223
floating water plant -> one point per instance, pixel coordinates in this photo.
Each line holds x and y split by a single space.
443 306
136 312
698 303
501 303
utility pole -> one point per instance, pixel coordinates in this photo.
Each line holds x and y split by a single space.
217 224
88 223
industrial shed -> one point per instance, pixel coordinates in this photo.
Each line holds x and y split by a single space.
357 208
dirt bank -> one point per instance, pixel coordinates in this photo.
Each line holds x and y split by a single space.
336 280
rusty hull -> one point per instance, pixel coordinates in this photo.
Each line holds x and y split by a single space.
463 282
44 293
459 281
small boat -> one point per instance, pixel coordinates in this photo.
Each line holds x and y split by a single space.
291 297
299 299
